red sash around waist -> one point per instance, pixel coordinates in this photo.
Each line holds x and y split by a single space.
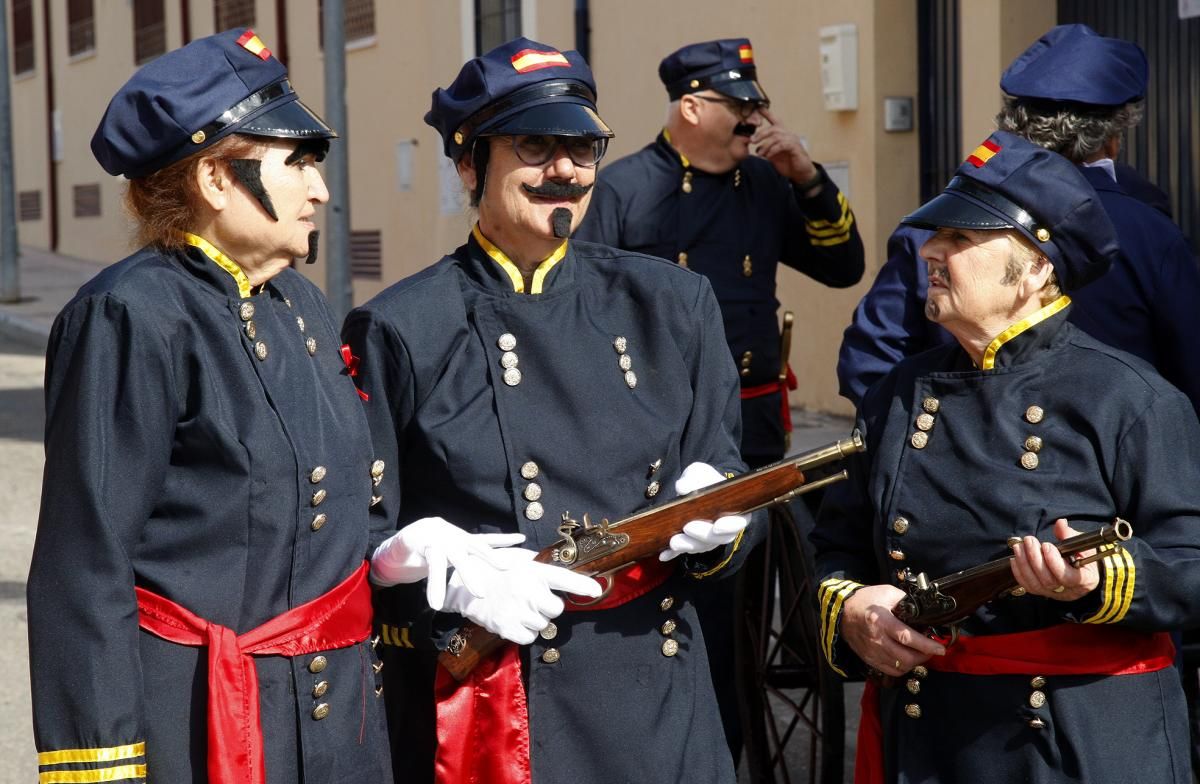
1066 649
770 388
483 720
339 618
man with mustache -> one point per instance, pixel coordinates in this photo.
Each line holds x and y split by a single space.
728 191
522 380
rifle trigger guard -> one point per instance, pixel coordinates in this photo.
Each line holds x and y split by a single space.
606 580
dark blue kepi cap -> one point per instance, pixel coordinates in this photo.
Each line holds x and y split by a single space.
1011 183
190 98
1072 63
519 87
726 66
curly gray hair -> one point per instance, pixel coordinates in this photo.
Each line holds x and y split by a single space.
1073 131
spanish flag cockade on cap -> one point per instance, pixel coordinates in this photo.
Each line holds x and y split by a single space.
746 54
983 153
528 60
250 41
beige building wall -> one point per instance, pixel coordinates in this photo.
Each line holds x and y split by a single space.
400 184
998 31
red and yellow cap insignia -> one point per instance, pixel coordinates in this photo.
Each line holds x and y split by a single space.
983 153
253 44
746 54
528 60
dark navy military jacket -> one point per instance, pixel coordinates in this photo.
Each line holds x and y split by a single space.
1148 304
951 472
184 423
622 379
735 228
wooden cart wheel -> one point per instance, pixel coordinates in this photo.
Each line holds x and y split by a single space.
793 717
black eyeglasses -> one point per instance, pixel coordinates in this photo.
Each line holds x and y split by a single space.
743 109
540 149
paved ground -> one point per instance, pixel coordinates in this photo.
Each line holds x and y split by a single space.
47 282
21 467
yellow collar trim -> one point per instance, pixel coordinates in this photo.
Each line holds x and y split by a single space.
682 158
223 261
514 272
989 355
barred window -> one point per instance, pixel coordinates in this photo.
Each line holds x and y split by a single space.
149 30
29 205
81 26
358 19
233 13
87 200
496 21
22 26
366 254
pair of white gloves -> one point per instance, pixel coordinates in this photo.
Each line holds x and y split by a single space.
500 586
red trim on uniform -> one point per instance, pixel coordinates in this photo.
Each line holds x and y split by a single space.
1066 649
352 368
483 720
338 619
762 390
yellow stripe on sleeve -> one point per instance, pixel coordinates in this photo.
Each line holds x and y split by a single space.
837 239
110 754
831 595
1119 579
824 224
119 773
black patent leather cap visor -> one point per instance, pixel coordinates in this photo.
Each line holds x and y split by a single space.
289 120
559 118
741 89
966 204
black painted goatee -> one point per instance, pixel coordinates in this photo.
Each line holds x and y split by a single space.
313 238
560 219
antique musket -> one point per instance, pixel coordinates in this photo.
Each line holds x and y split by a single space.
599 549
950 600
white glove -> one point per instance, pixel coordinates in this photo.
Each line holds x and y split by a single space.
516 599
422 549
700 536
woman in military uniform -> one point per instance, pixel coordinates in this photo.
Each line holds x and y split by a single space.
1024 431
208 465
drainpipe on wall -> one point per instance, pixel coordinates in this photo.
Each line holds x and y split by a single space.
10 280
583 30
281 32
52 166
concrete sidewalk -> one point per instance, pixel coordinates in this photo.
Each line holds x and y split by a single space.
47 283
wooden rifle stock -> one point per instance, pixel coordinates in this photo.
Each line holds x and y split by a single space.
955 597
597 549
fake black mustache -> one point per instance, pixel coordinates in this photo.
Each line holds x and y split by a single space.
744 129
557 190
